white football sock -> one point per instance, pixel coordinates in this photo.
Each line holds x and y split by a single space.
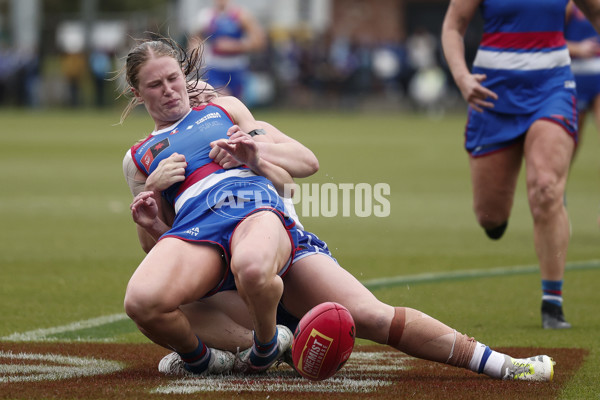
487 361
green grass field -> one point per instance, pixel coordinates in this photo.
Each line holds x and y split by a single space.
68 245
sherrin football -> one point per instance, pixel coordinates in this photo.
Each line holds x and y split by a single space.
323 341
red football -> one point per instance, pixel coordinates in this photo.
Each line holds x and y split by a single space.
323 341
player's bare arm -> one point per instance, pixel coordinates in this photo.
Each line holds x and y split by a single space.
457 19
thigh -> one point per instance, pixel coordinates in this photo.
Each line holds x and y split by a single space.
494 179
318 278
178 272
548 152
261 238
226 302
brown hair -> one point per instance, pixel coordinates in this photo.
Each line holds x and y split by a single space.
190 62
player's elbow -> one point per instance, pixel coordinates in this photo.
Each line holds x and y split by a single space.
313 165
310 166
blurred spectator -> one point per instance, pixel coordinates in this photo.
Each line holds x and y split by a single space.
19 77
387 67
230 34
31 78
73 68
422 49
8 67
427 86
100 66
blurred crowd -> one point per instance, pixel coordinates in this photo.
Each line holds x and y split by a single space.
296 70
347 72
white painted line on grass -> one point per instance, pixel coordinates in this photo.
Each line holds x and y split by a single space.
52 367
42 334
432 277
359 375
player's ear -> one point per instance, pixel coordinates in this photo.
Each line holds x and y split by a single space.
137 95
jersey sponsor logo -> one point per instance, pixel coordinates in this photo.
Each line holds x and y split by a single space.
153 152
193 231
207 117
314 352
570 85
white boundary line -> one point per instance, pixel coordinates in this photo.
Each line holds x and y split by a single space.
42 334
52 367
470 274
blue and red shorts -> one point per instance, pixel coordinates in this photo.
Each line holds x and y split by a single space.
489 131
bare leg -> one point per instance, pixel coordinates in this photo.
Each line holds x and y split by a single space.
494 179
165 280
260 247
317 278
548 152
221 321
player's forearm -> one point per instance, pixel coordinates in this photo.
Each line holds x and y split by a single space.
149 231
454 52
454 27
281 179
295 158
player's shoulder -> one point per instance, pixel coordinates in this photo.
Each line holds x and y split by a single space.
228 102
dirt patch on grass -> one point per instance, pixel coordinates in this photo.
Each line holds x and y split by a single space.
126 371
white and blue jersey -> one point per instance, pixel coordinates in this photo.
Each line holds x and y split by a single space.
524 55
586 70
211 201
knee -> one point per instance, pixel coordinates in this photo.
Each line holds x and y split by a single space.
493 224
372 323
545 196
250 270
140 305
490 219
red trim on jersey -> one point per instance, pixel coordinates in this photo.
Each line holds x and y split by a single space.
198 175
523 40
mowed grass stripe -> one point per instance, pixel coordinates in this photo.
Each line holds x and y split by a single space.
105 327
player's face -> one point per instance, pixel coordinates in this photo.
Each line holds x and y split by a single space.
163 91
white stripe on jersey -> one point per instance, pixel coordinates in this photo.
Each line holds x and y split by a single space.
588 66
291 210
208 183
509 60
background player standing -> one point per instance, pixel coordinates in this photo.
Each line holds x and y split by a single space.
230 34
521 96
